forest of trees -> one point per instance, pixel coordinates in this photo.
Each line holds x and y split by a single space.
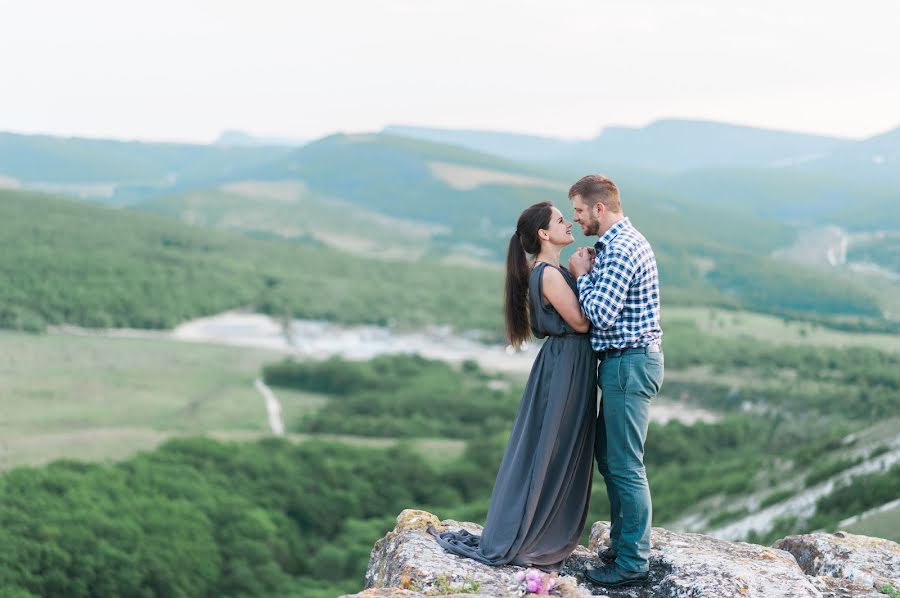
399 397
199 517
202 518
68 262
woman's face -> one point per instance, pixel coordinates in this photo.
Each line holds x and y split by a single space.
559 231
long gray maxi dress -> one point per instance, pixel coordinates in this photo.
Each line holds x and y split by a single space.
540 499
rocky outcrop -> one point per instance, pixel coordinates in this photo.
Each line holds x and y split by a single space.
408 558
408 562
870 562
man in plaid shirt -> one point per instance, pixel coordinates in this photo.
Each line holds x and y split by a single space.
618 288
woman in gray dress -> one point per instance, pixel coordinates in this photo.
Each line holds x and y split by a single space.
540 499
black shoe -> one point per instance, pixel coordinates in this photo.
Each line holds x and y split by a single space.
614 576
608 555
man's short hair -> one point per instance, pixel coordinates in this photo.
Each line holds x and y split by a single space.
596 187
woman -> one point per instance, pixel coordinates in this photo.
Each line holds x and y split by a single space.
540 499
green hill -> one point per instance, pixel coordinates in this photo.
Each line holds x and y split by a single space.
874 159
789 195
480 196
288 210
67 261
775 174
402 178
128 170
412 202
707 255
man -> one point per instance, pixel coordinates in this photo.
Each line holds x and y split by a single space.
618 288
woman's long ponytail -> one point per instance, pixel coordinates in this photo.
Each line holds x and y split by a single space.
518 269
516 300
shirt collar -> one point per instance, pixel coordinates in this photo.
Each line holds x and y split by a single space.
611 234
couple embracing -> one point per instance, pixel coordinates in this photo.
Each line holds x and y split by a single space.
603 308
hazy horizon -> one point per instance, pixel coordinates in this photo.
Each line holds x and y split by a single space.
280 137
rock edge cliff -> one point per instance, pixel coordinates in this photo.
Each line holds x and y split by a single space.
408 562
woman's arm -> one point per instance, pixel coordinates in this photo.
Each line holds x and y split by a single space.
559 294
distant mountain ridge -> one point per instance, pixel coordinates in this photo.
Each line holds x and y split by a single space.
877 158
514 146
407 178
236 137
800 178
676 146
124 169
665 145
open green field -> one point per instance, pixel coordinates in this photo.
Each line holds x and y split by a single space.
57 382
100 398
95 397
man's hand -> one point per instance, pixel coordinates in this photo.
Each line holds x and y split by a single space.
581 261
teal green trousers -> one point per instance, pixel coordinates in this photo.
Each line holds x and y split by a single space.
628 383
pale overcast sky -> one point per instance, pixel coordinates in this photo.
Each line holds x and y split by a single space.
184 70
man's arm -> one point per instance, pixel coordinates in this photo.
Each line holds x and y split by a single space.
602 296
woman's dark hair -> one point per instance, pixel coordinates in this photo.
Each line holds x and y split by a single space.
524 241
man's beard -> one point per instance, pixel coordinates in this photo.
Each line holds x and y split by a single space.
592 228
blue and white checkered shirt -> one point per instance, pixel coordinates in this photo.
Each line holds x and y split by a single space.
621 294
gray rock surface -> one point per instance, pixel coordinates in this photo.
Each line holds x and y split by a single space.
833 587
689 565
871 562
408 562
409 558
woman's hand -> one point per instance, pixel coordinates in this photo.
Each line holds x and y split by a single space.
581 261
